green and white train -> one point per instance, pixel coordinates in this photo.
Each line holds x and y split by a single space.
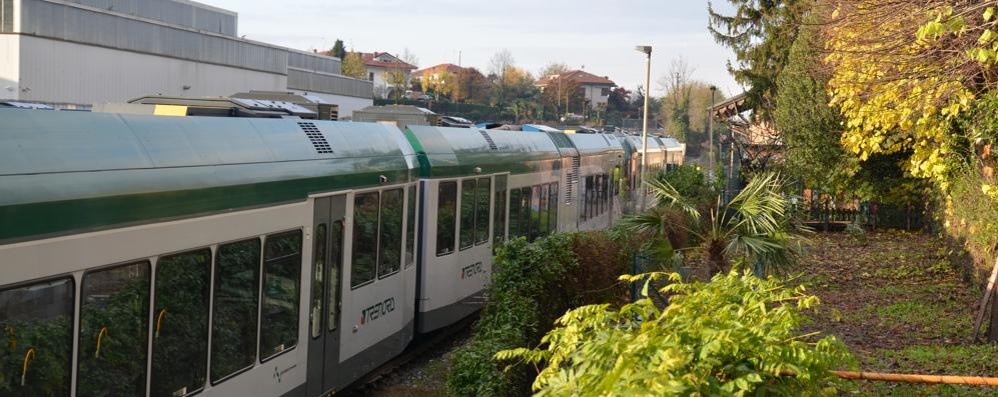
174 256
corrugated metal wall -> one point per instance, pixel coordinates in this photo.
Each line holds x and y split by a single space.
68 23
174 12
333 84
314 62
6 16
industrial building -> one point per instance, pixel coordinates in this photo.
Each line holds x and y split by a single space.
76 53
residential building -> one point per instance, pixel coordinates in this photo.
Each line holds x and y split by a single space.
387 72
595 89
76 53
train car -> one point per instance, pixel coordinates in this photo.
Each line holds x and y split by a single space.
599 165
657 158
148 255
469 177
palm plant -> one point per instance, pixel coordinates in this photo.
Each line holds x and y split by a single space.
754 228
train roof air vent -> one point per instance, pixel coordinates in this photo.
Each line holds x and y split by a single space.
315 136
488 138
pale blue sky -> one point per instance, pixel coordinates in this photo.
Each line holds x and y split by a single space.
599 35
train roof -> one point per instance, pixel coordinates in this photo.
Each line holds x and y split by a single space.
58 168
459 151
594 144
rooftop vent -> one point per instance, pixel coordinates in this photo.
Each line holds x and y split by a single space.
315 136
488 138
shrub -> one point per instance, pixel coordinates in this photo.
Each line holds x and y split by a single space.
734 335
533 284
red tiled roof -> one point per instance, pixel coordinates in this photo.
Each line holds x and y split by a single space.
369 60
449 67
577 76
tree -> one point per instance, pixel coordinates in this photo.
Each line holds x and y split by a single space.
561 96
499 67
676 103
472 86
338 50
554 68
760 34
756 228
810 128
353 66
619 100
904 72
442 83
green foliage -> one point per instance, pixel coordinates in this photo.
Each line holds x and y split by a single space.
757 226
736 335
533 284
810 128
690 182
338 50
760 34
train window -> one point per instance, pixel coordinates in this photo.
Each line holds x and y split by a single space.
410 228
482 213
234 308
590 197
36 324
553 211
535 213
335 260
281 276
446 217
598 198
514 213
390 251
114 325
318 278
499 221
365 238
616 180
180 323
467 227
542 212
525 216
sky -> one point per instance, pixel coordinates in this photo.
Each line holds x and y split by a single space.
596 36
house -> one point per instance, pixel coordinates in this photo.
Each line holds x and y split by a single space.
436 70
387 72
595 89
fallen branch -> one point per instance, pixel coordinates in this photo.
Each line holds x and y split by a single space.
916 378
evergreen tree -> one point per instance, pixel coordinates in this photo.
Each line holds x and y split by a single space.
760 33
338 50
811 129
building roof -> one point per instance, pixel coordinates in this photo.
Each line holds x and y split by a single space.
448 67
384 60
579 76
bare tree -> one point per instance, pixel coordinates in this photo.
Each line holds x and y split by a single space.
409 57
501 62
554 68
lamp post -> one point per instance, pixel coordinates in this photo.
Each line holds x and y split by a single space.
646 49
710 130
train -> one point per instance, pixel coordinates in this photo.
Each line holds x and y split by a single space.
175 256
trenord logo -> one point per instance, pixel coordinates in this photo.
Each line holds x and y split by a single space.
377 310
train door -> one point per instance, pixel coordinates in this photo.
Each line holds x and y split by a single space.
324 307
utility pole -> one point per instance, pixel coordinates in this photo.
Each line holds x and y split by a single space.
644 129
710 130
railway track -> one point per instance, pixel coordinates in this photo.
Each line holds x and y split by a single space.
417 349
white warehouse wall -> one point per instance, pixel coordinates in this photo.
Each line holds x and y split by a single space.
76 73
9 67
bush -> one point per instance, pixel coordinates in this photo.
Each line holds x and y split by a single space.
735 335
533 284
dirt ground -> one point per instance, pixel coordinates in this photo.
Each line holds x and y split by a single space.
900 306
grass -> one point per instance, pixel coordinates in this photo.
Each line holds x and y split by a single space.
901 307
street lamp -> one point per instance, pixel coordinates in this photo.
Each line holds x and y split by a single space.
646 49
710 129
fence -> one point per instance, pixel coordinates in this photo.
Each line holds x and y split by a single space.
869 215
